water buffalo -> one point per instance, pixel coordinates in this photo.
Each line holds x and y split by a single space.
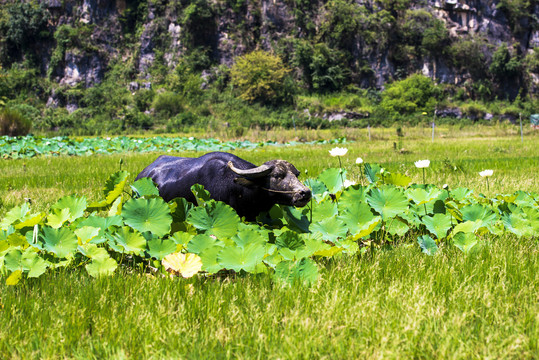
245 187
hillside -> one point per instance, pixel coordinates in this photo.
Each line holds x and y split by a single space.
71 66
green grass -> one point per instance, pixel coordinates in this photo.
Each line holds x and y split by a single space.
393 303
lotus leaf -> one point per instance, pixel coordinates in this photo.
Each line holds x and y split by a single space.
216 218
302 271
438 224
333 179
145 187
387 201
159 248
427 245
151 215
101 266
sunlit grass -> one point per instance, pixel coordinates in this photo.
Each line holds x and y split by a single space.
392 304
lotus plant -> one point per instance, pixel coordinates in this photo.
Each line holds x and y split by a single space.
338 152
422 164
486 174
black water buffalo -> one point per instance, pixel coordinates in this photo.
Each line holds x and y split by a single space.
245 187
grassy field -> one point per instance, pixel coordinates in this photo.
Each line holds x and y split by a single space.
393 303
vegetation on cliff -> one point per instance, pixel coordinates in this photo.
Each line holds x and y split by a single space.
127 66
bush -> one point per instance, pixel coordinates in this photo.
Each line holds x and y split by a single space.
13 123
260 77
416 93
167 104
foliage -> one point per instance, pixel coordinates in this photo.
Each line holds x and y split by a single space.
13 123
260 76
284 243
413 94
504 66
26 147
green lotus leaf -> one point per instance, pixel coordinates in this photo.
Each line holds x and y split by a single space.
113 188
159 248
216 218
460 194
12 260
247 235
62 242
388 201
518 224
351 196
333 179
208 256
144 187
58 217
103 223
467 227
466 242
86 233
101 266
303 271
128 240
324 210
359 219
438 224
179 208
290 240
93 251
397 226
30 221
331 229
372 172
296 219
202 242
19 217
151 215
182 238
318 190
421 196
33 263
75 206
313 246
397 179
478 212
202 195
427 244
242 258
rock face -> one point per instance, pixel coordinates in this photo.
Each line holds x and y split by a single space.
147 31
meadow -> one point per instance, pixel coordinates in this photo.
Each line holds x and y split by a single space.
392 302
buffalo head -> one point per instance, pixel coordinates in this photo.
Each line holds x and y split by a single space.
278 178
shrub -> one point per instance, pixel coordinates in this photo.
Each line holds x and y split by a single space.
260 76
413 94
167 104
13 123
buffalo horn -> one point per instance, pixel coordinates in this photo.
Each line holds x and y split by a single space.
253 173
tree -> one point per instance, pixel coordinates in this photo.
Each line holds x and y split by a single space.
413 94
260 76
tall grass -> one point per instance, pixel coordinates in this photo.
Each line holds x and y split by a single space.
396 303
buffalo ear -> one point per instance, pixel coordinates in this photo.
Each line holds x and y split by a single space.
244 182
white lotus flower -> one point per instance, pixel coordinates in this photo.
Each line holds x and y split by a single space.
338 151
359 161
348 183
421 164
486 173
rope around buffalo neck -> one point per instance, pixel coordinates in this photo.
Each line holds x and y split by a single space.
279 191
